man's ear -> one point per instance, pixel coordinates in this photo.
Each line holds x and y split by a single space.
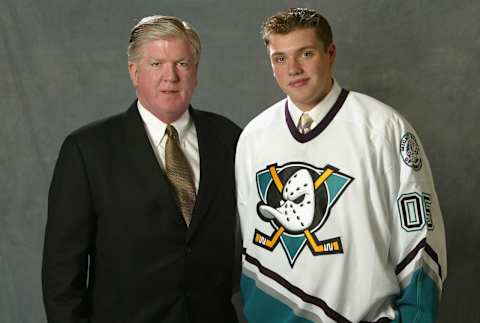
133 71
332 52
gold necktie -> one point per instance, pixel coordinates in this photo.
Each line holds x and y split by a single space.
179 173
304 123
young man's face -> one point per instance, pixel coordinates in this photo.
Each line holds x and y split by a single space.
302 66
165 77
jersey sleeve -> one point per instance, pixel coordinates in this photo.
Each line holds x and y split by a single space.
417 249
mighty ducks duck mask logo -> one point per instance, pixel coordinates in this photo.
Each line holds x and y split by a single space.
296 200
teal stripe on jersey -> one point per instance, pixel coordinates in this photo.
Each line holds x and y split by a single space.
418 303
259 307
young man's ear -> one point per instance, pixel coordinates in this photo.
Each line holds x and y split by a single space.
332 52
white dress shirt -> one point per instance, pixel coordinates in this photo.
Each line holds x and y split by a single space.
187 135
318 112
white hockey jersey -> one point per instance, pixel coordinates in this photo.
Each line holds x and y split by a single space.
341 224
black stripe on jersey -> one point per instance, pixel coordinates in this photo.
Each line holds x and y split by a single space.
295 290
302 138
412 254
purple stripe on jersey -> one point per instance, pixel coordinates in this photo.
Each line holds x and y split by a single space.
434 256
295 290
302 138
412 254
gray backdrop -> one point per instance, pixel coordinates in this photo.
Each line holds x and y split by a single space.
63 64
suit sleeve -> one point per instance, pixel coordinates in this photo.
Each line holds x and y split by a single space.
417 249
242 180
68 239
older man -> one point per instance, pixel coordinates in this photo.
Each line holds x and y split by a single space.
141 208
339 215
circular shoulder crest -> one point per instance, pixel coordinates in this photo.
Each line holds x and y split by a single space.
410 151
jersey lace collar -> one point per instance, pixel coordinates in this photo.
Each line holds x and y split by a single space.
302 138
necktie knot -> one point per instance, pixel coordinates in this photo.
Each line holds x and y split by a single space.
304 123
172 133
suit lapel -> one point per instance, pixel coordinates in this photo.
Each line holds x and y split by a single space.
211 163
146 165
154 179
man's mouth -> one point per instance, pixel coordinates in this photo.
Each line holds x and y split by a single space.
298 83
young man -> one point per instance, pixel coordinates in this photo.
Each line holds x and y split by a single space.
144 201
339 215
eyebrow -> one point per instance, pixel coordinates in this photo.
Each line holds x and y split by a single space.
183 59
301 49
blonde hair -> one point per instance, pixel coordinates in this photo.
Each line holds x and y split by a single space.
161 27
288 20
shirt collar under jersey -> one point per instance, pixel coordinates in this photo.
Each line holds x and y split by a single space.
156 127
320 110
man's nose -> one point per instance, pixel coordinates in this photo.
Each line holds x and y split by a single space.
294 67
170 73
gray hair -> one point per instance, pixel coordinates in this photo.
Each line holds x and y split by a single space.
162 27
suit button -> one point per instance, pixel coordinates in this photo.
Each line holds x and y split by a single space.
188 250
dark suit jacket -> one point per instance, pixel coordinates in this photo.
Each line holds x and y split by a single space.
111 206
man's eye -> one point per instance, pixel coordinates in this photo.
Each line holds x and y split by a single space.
279 59
308 54
184 64
155 64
